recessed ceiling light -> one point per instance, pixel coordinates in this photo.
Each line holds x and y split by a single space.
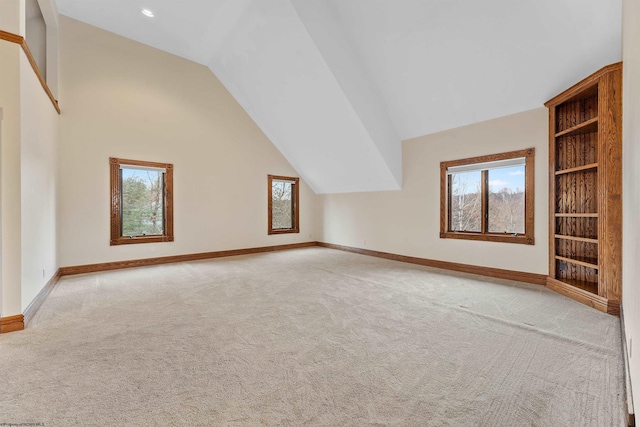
147 12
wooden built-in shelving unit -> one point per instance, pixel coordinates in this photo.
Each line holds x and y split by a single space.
585 183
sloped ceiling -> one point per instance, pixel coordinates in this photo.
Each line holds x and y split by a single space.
337 84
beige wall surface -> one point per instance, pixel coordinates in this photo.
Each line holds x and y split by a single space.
407 222
39 148
631 186
28 155
10 213
12 16
36 35
123 99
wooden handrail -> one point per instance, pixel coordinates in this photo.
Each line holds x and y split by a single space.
15 38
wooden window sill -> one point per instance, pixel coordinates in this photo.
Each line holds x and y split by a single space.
140 239
522 239
284 231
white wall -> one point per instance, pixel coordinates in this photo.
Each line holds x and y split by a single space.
10 178
407 222
28 166
124 99
274 68
39 147
631 187
36 35
11 19
12 16
51 18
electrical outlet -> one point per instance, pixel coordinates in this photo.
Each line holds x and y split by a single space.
43 272
310 236
364 241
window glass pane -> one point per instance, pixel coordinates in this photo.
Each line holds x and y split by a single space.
466 201
142 202
506 200
281 207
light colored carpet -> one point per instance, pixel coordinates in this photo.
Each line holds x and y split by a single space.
310 337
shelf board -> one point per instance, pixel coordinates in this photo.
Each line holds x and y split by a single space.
577 239
582 284
578 260
589 126
577 169
576 215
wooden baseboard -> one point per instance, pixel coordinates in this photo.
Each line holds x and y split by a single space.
118 265
614 307
33 307
11 323
585 297
536 279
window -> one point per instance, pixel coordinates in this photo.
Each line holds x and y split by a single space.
141 202
488 198
284 209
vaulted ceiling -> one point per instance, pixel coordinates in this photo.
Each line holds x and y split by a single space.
338 84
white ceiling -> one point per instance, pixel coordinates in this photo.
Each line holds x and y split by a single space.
441 64
337 84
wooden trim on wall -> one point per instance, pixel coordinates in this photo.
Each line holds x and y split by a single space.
15 38
92 268
116 209
445 196
487 237
11 323
552 193
520 276
536 279
34 306
529 195
11 37
609 186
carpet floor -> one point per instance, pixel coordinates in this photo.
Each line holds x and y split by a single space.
310 337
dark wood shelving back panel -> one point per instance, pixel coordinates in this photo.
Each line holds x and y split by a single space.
578 150
577 226
577 192
572 113
577 250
